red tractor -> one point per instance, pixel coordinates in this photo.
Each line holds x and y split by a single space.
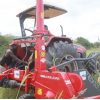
53 67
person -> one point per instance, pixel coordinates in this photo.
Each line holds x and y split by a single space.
46 27
10 59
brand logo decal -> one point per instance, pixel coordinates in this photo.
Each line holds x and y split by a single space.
49 77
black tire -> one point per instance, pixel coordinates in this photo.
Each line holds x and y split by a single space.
27 96
57 51
93 65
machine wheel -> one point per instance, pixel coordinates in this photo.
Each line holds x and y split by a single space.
58 51
27 96
93 65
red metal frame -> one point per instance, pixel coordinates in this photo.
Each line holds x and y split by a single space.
47 84
40 16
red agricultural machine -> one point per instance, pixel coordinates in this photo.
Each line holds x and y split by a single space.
54 69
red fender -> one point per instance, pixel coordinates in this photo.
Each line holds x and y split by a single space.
77 82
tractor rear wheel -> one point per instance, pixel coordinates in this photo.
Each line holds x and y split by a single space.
58 51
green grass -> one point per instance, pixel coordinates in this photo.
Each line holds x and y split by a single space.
93 50
7 93
96 77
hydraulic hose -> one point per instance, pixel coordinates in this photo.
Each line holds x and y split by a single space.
77 59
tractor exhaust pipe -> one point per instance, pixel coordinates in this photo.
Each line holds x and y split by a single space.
62 31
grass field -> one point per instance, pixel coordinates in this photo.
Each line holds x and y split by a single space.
93 50
6 93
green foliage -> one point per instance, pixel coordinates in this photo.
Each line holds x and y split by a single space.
97 44
93 50
8 93
96 77
3 41
3 45
87 44
84 42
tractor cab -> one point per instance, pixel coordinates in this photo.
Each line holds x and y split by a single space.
26 44
49 12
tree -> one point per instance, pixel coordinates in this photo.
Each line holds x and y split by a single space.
4 43
97 44
84 42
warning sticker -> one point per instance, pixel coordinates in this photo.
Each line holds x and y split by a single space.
16 74
39 91
83 75
35 54
43 54
43 47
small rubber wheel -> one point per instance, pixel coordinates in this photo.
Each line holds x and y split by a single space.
27 96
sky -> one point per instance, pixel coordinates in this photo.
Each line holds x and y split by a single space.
82 19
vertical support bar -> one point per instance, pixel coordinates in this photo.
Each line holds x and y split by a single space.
40 55
27 83
39 15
